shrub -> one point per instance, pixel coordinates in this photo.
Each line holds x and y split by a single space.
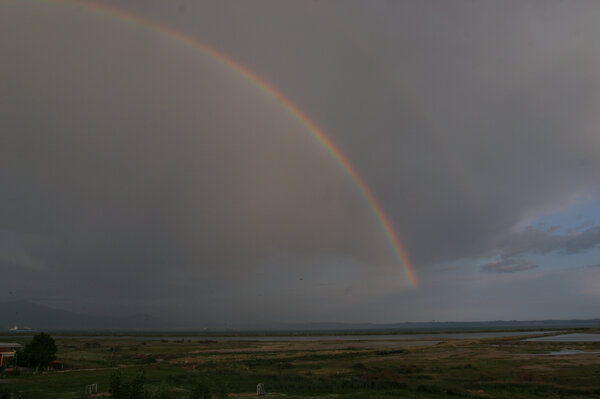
200 391
147 360
222 392
162 393
121 389
4 393
136 386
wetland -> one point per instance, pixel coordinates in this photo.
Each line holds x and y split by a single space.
409 366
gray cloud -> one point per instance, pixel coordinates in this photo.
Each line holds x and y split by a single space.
540 241
509 266
553 228
139 162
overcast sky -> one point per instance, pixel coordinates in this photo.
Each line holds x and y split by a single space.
138 174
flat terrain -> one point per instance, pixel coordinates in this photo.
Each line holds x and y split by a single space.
507 367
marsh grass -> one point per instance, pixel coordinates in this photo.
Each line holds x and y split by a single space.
487 368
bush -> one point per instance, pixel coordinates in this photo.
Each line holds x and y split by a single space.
136 386
428 388
147 360
12 373
4 393
121 389
200 391
162 392
284 366
222 392
115 385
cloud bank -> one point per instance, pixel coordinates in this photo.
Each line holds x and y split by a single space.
137 172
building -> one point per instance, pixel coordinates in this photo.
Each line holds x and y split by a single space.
7 353
57 365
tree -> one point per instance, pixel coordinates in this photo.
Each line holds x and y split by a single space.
40 351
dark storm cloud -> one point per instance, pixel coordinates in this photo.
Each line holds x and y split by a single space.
509 266
130 160
464 118
150 172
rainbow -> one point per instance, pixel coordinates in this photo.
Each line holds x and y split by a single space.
317 132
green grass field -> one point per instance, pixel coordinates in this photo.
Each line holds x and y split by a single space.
484 368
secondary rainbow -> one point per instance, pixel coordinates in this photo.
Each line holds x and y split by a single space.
316 131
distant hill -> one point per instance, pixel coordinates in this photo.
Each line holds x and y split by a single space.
412 326
443 326
39 317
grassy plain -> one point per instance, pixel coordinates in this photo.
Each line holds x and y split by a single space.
427 368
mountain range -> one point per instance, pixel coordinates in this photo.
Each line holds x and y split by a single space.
40 317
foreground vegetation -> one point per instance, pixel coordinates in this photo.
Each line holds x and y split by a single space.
193 368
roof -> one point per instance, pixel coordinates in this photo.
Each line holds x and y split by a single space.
9 345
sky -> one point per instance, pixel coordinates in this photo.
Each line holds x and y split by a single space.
142 174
